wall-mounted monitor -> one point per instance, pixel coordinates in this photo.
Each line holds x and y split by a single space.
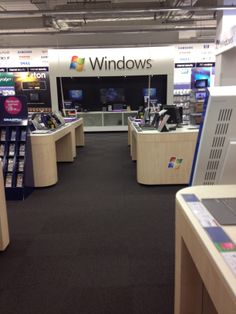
34 97
112 95
67 104
76 94
118 107
151 92
203 83
99 92
202 76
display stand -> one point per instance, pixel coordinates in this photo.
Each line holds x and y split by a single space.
197 98
214 161
182 99
14 148
162 157
52 147
205 272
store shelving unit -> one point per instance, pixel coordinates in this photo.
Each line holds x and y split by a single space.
14 147
182 99
196 102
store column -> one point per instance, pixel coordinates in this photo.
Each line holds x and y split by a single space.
226 46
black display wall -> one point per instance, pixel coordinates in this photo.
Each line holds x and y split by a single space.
131 86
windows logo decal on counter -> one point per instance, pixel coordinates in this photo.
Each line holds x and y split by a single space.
175 162
77 63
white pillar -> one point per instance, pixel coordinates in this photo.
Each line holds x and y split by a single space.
226 46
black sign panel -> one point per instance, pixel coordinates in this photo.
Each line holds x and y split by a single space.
185 65
38 69
205 64
17 69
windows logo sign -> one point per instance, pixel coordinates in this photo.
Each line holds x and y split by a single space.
77 63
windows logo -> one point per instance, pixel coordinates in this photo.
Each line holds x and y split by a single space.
175 163
77 63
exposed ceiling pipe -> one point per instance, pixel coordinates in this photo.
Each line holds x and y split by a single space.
169 14
115 11
181 3
105 31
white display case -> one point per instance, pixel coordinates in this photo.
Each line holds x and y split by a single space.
100 121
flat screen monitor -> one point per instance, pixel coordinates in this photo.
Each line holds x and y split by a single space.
202 76
175 114
111 95
76 94
201 83
151 92
34 97
67 104
118 106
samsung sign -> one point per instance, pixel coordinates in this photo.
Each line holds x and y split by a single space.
78 64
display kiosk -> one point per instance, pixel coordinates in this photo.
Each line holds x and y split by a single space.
162 158
205 265
215 161
52 147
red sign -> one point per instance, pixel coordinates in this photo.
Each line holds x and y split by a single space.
12 105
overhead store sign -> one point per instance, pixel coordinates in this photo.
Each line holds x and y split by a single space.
226 30
16 58
226 41
99 64
192 62
116 61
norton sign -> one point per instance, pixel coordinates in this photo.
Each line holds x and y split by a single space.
78 64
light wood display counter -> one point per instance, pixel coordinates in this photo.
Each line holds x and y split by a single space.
204 282
53 147
4 232
162 158
77 134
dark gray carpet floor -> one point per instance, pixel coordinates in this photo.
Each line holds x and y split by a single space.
95 243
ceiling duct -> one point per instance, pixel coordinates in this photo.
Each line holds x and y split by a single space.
100 17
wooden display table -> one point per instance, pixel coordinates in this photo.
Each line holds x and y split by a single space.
53 147
204 282
4 232
77 134
162 158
